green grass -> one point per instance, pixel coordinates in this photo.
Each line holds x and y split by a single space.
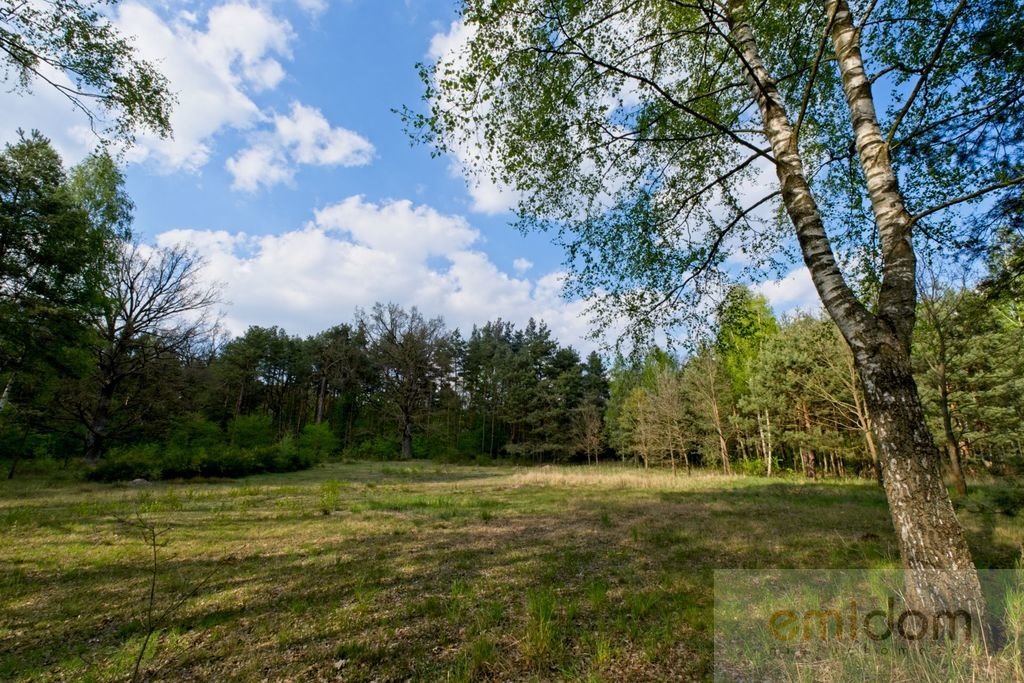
416 571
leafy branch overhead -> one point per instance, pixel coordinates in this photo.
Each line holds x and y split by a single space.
633 130
73 47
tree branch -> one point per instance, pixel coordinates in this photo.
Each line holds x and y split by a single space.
968 197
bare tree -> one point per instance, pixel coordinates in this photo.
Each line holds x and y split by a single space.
589 428
413 355
157 306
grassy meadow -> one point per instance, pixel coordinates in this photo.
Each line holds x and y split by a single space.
417 571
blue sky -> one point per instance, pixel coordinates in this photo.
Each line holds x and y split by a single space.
293 177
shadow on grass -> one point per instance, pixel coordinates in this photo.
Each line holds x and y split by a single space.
502 583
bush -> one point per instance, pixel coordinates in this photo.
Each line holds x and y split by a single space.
376 448
266 459
125 464
288 457
750 468
180 462
195 431
227 461
317 442
252 431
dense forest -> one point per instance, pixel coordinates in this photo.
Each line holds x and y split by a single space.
114 356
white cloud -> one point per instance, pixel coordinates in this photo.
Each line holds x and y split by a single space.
355 253
792 292
398 227
312 140
521 265
214 62
312 7
258 166
213 71
447 51
302 137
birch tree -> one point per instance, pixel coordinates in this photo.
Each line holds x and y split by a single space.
74 48
654 138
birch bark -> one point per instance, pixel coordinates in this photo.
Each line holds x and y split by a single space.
940 574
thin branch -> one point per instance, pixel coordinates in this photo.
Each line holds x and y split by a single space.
713 251
926 71
579 51
968 197
814 73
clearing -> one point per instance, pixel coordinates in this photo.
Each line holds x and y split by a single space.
418 571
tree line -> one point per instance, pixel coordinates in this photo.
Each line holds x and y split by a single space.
112 352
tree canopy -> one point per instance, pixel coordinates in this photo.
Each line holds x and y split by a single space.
631 130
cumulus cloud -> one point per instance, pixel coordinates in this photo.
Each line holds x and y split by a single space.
521 265
357 252
794 291
215 62
302 137
260 165
448 51
214 70
312 140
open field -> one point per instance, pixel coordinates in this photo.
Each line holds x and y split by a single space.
416 571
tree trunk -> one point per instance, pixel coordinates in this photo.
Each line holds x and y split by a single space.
810 465
940 574
952 445
723 445
95 437
868 431
406 437
766 439
321 399
492 433
863 419
6 396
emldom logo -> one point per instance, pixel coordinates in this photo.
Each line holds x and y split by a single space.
855 621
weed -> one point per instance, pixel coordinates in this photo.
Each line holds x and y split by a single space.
330 496
542 632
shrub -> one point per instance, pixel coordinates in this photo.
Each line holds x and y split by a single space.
180 462
317 442
330 496
227 461
135 462
195 431
376 448
750 468
288 457
266 459
251 431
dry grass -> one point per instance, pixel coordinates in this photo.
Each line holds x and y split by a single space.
362 572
